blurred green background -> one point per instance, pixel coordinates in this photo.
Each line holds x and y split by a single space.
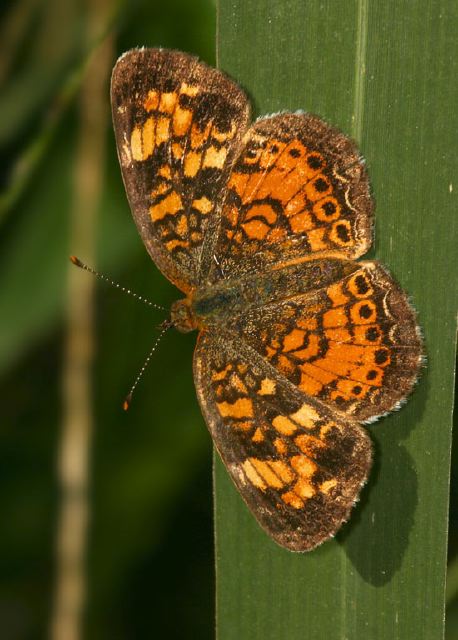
150 548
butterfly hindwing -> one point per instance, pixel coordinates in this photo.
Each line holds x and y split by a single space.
298 188
353 343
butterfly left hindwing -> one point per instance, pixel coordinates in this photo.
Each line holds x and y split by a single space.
353 343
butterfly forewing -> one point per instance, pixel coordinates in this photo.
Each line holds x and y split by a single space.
178 124
298 466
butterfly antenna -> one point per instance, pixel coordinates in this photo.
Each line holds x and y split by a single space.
76 261
165 326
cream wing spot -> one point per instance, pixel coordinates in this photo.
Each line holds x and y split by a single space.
253 476
283 425
306 416
264 469
136 144
241 408
268 387
203 205
167 102
215 158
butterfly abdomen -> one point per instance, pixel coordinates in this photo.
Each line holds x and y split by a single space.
227 299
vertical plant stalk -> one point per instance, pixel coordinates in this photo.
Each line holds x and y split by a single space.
356 132
360 70
77 420
375 70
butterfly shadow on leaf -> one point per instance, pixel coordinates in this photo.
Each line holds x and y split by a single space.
377 536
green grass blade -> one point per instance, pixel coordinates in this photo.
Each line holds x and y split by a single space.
385 73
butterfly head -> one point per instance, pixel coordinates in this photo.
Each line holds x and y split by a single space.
182 316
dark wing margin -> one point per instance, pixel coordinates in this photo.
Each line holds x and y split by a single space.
298 466
178 124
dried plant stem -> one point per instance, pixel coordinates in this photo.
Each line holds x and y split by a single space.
77 426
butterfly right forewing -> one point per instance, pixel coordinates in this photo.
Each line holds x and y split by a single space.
178 124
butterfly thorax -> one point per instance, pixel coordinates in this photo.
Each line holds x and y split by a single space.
198 311
182 317
210 306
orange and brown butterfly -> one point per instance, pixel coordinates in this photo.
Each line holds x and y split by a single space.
259 225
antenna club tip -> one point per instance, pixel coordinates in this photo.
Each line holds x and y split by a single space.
126 403
76 261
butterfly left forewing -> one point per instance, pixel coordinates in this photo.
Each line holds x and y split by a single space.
298 466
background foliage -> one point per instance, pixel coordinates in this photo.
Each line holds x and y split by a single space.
150 563
150 557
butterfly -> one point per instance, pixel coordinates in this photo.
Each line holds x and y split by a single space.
259 225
